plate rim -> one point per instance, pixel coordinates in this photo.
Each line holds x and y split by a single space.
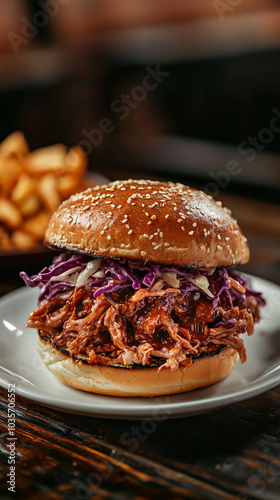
141 410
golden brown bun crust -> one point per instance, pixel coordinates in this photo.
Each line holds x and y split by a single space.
147 220
115 381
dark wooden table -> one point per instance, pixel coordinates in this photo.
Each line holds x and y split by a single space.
232 453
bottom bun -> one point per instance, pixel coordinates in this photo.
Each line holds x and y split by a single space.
126 381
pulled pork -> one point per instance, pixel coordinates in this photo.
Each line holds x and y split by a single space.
155 326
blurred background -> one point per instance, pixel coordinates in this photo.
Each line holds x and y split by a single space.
181 90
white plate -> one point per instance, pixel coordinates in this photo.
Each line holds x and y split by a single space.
20 365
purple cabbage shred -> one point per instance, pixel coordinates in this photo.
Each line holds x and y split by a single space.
119 274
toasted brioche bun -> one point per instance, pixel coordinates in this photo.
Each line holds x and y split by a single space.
134 381
158 222
155 222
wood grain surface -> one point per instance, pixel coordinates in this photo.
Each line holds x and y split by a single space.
231 453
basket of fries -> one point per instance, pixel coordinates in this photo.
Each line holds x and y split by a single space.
32 186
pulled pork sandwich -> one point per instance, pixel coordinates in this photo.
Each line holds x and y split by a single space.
143 300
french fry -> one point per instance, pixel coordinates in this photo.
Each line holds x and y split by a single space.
14 144
37 225
32 186
76 160
4 238
30 206
67 184
48 192
46 160
25 187
9 214
10 170
23 240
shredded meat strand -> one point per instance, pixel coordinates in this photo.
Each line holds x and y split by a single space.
150 327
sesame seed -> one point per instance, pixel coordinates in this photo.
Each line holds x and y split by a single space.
145 236
130 231
180 220
148 223
161 234
153 243
219 237
166 244
202 247
219 247
182 227
194 224
146 213
153 217
227 238
191 233
219 203
143 253
227 210
109 237
166 217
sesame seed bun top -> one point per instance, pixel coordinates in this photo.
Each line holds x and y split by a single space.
151 221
